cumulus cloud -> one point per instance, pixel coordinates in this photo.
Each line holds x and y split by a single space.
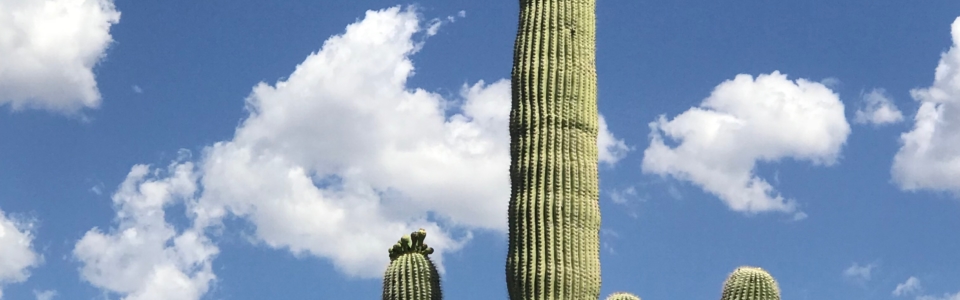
877 109
338 161
48 49
611 149
144 257
342 158
16 251
911 286
742 122
929 156
858 272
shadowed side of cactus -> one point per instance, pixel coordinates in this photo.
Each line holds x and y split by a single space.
554 215
750 283
622 296
411 275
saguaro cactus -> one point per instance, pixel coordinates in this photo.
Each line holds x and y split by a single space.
554 216
622 296
411 275
750 283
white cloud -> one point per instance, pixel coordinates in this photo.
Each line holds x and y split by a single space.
955 296
144 257
929 156
341 158
745 121
45 295
49 49
611 149
911 286
858 272
878 109
16 251
623 196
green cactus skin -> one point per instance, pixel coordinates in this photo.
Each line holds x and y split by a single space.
750 283
411 275
554 214
622 296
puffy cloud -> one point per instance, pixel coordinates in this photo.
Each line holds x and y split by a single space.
342 158
48 49
912 285
878 109
611 149
858 272
929 156
745 121
16 252
144 257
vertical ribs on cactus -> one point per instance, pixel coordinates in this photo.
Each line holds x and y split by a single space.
554 215
750 283
411 275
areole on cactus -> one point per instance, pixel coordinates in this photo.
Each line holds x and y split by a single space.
411 275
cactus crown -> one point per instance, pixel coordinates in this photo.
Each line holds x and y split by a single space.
411 275
622 296
411 243
750 283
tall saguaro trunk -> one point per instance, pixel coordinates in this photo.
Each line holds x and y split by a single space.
554 214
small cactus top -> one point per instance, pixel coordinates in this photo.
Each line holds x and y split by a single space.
750 283
411 243
622 296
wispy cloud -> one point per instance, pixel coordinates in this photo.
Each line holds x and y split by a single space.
45 295
877 109
911 286
859 273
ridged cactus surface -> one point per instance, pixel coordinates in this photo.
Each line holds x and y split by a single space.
750 283
554 216
622 296
411 275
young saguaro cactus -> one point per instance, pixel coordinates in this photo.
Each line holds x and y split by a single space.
622 296
554 215
411 275
750 283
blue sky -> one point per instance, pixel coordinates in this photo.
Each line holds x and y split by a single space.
243 150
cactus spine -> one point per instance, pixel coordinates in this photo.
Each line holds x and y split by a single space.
411 275
554 215
622 296
750 283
